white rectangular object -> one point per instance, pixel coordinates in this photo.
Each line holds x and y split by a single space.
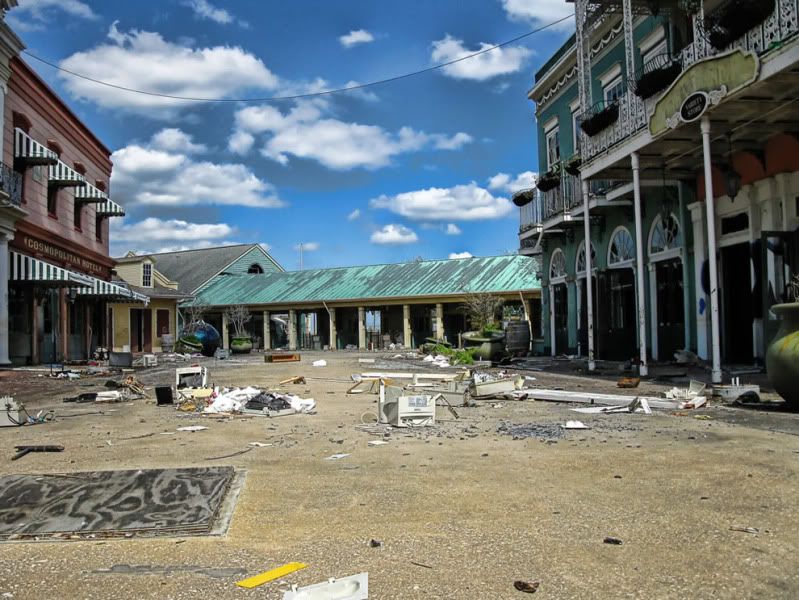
12 414
354 587
191 377
150 360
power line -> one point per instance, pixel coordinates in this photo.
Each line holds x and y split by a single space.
360 86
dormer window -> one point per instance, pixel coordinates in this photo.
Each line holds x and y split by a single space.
255 268
147 275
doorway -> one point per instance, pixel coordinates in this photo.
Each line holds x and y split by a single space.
141 330
736 303
582 329
670 307
621 336
560 311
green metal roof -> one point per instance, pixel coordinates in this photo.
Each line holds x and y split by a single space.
497 274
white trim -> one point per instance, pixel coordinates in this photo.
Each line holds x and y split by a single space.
555 131
629 263
660 48
574 106
669 253
560 278
610 75
550 124
652 39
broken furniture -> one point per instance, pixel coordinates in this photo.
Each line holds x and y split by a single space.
282 357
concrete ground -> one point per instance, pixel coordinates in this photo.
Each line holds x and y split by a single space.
462 509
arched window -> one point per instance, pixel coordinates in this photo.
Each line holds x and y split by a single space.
621 251
557 265
665 235
255 268
579 264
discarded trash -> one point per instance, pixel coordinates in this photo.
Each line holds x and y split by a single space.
193 377
230 455
337 456
592 398
377 443
686 357
734 391
639 405
751 530
320 363
295 380
575 425
268 576
694 390
281 357
612 540
192 428
418 564
258 444
530 430
375 543
275 404
529 587
697 402
703 417
354 587
232 401
628 382
23 450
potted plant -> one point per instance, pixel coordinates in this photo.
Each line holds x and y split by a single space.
734 18
549 180
782 355
523 197
488 340
239 316
656 75
572 166
601 116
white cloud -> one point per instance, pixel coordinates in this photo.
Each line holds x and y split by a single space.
205 10
394 235
175 140
540 12
354 215
452 229
146 61
459 203
499 61
455 255
305 131
35 15
507 183
153 229
152 176
240 142
308 246
355 37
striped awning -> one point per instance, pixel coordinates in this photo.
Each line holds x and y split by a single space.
90 193
61 175
27 268
30 152
112 291
109 208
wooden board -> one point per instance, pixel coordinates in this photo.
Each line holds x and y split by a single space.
268 576
282 357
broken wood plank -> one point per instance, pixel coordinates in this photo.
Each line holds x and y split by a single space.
591 398
23 450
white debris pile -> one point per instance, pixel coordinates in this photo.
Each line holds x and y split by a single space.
230 401
692 397
437 361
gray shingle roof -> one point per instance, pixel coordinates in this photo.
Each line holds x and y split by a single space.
192 268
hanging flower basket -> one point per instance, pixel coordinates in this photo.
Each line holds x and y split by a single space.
733 19
656 75
572 166
523 197
548 181
601 116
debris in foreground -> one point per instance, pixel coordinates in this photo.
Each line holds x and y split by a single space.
528 587
530 430
23 450
752 530
267 576
613 541
337 456
354 587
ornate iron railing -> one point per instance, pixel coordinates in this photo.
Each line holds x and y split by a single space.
567 196
11 184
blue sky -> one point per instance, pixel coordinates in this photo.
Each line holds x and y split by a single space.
424 166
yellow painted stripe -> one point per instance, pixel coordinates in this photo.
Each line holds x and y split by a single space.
268 576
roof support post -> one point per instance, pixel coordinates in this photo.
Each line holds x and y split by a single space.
4 360
333 333
711 252
440 321
639 264
589 284
406 326
267 332
292 329
361 328
225 343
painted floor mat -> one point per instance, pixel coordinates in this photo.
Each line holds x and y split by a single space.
153 502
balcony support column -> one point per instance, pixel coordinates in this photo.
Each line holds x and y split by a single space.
589 292
639 264
711 252
4 261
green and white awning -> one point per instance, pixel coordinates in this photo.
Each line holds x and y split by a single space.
112 291
61 175
28 151
27 268
109 208
90 193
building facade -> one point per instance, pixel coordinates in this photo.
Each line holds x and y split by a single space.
56 269
647 111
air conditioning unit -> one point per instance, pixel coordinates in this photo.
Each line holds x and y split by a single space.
12 414
400 410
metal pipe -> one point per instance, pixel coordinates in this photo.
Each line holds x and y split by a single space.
589 284
639 264
711 252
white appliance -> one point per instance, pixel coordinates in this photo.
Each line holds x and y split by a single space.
400 410
12 414
191 377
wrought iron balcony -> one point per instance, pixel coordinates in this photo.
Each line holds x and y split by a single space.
10 186
559 201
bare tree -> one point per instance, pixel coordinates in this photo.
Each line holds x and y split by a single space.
238 316
193 314
482 309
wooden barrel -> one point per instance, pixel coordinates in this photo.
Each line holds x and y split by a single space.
517 337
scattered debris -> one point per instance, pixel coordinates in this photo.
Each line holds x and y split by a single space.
628 382
320 363
377 443
23 450
258 444
591 398
530 430
267 576
231 455
216 572
752 530
191 377
692 395
337 456
686 357
373 543
192 428
612 540
12 413
418 564
639 405
575 425
282 357
528 587
399 410
275 404
703 417
354 587
295 380
734 391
